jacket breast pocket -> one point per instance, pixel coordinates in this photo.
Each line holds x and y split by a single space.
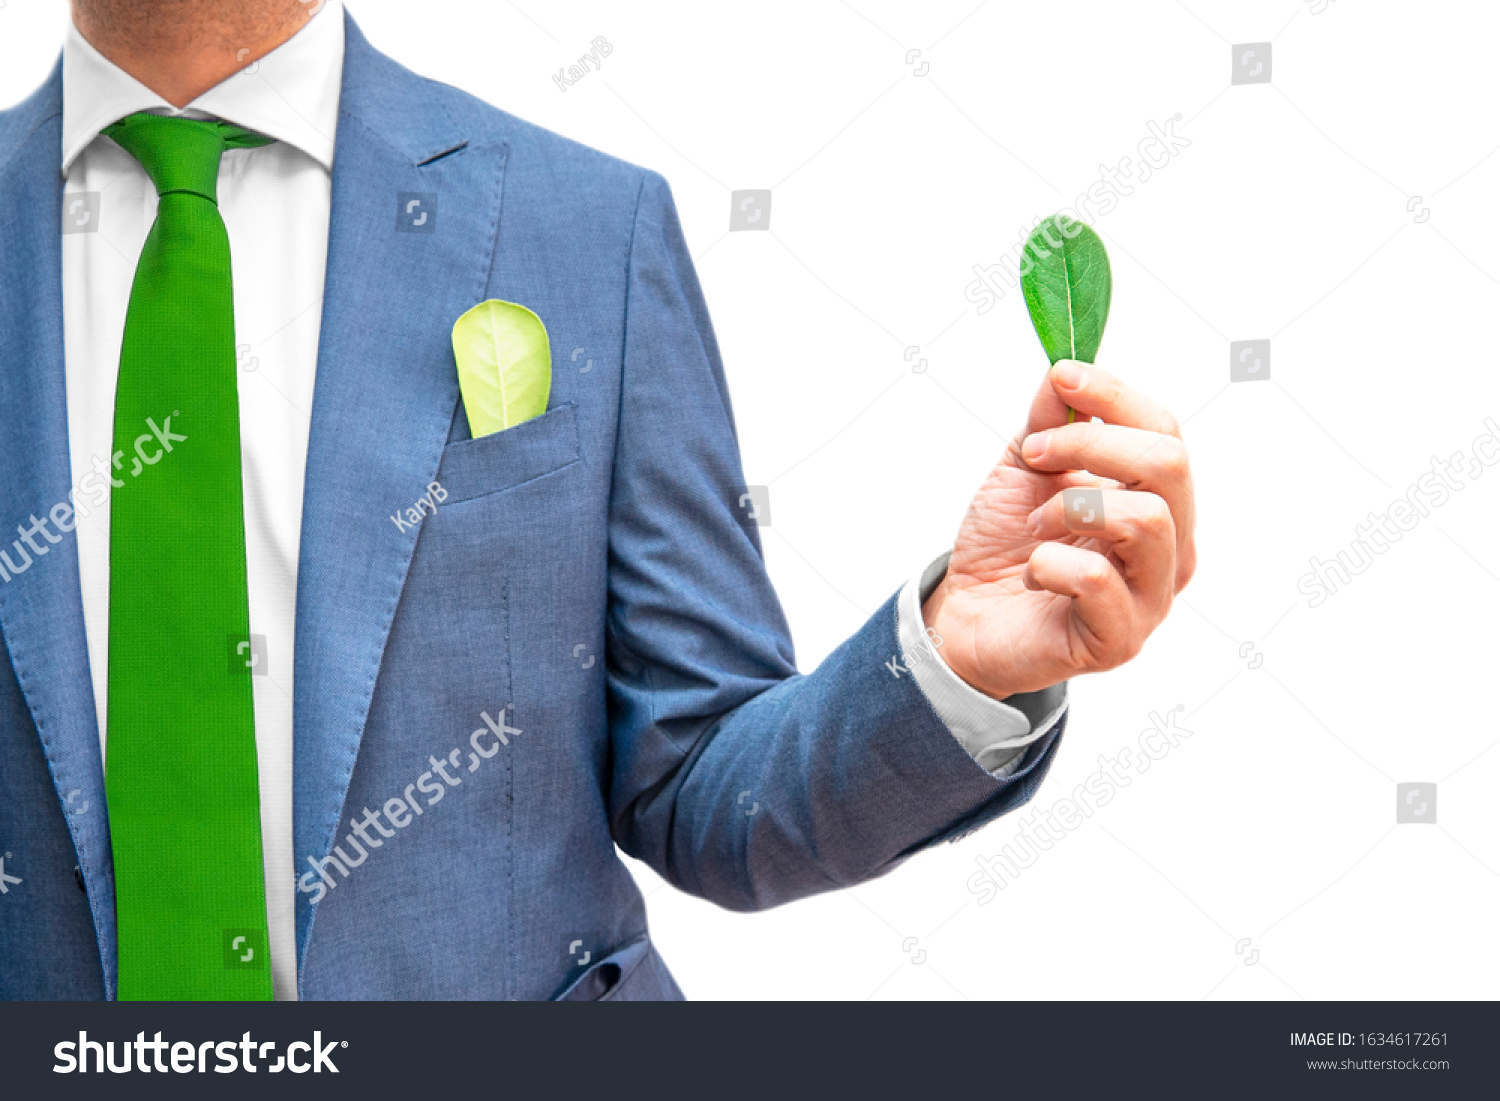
511 457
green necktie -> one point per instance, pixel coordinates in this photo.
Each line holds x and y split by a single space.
183 792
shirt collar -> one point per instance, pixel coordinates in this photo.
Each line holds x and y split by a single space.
292 95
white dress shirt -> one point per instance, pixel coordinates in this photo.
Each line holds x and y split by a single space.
276 202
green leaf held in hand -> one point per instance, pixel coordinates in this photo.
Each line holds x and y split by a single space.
504 365
1065 278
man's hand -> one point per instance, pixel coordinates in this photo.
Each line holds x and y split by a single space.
1026 602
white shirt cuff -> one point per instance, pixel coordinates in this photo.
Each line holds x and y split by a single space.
995 734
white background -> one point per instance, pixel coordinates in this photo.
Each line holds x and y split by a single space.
1285 219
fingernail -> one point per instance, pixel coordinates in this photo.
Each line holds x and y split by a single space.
1070 374
1034 521
1035 446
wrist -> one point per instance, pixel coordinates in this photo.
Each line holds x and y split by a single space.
953 640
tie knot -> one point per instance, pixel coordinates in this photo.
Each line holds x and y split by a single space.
181 154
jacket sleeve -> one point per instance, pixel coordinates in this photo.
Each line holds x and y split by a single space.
737 778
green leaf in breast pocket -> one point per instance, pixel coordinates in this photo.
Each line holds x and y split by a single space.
504 365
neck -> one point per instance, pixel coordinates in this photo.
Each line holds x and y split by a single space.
182 48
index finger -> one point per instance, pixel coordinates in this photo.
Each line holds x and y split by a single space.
1049 409
1095 392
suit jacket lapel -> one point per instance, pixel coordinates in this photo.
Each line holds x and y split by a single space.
383 403
41 608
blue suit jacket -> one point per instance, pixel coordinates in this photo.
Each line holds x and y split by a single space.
606 522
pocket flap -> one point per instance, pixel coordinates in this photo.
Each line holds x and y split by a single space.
505 459
608 975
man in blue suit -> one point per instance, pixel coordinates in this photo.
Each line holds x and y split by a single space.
440 768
